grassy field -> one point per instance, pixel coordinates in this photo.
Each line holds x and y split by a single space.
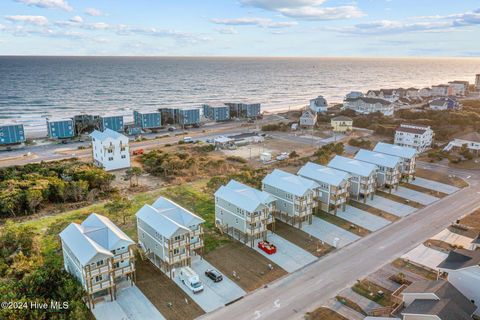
370 291
441 177
403 264
324 314
349 303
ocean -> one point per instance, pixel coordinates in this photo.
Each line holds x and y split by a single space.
34 88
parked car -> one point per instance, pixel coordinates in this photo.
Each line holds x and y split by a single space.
172 128
282 156
188 140
267 247
214 275
191 280
138 152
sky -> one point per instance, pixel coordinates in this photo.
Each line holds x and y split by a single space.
270 28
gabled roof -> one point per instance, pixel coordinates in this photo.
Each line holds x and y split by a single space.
472 136
477 239
380 159
308 114
243 196
323 174
319 101
108 133
342 118
105 232
289 182
460 259
159 222
176 212
370 100
84 248
352 166
394 150
411 130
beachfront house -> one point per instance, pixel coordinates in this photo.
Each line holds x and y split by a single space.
412 93
11 133
407 156
294 196
445 103
308 119
243 212
333 184
477 82
435 300
389 167
440 90
469 141
363 176
414 136
353 95
391 95
458 88
425 93
98 254
147 120
342 124
110 150
217 113
244 110
58 128
364 105
319 104
462 268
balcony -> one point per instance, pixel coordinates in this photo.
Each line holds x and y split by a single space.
97 271
255 218
100 286
176 258
196 233
176 244
256 230
122 271
123 256
196 245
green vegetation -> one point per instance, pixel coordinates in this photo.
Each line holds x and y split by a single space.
25 189
325 153
236 159
282 126
349 303
425 273
360 143
373 292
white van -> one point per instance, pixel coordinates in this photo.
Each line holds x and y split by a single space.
188 140
191 279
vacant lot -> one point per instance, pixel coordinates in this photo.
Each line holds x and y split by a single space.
403 264
371 291
302 239
323 313
398 199
439 245
250 267
164 294
373 210
472 221
441 177
431 192
344 224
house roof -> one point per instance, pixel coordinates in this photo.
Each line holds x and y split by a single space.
394 150
107 134
105 232
442 101
460 259
323 174
159 222
472 136
176 212
342 118
451 303
354 166
289 182
243 196
477 239
380 159
370 100
320 101
411 130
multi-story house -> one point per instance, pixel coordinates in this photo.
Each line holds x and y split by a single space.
414 136
243 212
363 176
425 93
477 82
110 150
98 254
458 88
319 104
308 119
353 95
391 95
295 196
341 124
445 103
462 268
365 105
412 93
470 141
389 167
333 184
244 110
440 90
407 156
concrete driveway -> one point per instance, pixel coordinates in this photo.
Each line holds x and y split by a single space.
288 256
396 208
330 233
362 218
434 185
364 303
425 256
413 195
214 295
453 238
131 304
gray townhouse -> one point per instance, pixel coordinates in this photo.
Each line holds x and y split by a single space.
295 196
389 167
243 212
407 157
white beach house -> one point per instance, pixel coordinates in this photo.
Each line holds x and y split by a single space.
294 196
414 136
319 104
407 155
243 212
364 105
389 167
110 150
470 141
98 254
333 184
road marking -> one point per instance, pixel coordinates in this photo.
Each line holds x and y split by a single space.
276 303
468 177
258 315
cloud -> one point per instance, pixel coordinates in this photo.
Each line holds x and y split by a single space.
260 22
306 9
36 20
227 30
76 19
93 12
48 4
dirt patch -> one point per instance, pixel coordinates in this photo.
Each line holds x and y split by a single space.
431 192
373 210
472 221
250 267
374 292
344 224
302 239
396 198
442 177
424 273
164 294
439 245
350 304
323 313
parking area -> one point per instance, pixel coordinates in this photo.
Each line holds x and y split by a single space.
425 256
130 304
453 239
330 233
416 196
393 207
434 185
362 218
288 256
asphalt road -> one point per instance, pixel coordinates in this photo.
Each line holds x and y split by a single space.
293 295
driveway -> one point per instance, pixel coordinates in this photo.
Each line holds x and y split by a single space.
288 256
131 304
434 185
413 195
214 295
364 303
393 207
425 256
453 238
362 218
330 233
343 310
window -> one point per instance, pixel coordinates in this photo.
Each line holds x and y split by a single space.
124 156
98 278
110 158
177 238
116 265
99 263
176 251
